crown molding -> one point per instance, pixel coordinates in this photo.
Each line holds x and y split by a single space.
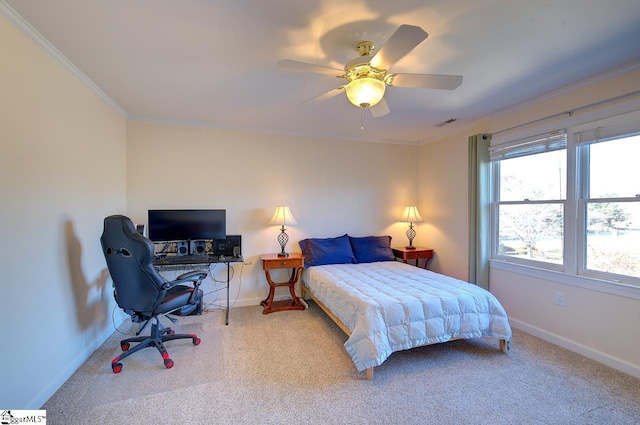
31 33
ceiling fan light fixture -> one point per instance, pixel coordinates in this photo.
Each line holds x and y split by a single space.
365 92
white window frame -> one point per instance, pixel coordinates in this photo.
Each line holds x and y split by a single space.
573 271
630 124
496 152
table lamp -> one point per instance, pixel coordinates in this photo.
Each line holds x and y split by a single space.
282 217
411 215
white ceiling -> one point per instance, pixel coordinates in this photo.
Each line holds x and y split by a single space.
214 62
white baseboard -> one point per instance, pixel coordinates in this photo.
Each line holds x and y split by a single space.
242 302
604 358
247 302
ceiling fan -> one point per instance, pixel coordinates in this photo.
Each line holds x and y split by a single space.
368 75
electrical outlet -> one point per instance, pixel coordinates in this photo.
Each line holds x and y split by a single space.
560 299
247 262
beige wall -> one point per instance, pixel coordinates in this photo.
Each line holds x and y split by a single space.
332 187
443 187
596 324
62 169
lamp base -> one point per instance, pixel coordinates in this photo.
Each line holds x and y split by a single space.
283 238
411 234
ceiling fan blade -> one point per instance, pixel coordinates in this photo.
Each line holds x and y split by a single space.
309 67
401 42
380 109
427 81
327 95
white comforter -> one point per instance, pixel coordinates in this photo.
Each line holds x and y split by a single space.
390 306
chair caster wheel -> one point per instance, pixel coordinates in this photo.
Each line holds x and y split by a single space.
116 367
196 341
168 363
125 346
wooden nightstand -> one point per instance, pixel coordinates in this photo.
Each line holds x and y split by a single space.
414 254
295 262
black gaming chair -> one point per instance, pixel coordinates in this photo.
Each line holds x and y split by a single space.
142 292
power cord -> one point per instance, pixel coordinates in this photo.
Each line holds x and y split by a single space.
216 303
113 322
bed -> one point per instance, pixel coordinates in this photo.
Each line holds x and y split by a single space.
385 305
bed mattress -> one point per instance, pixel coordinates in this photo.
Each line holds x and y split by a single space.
390 306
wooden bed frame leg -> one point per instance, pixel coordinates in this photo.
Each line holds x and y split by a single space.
369 373
504 345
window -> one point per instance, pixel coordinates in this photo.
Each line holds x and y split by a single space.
609 202
569 200
531 180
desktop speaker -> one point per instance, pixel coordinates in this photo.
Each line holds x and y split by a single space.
231 246
182 248
198 247
142 229
234 245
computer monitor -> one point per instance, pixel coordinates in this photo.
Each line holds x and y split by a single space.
179 225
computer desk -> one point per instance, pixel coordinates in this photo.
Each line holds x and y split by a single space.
178 263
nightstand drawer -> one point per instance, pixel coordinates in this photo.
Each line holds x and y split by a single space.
420 254
284 263
272 261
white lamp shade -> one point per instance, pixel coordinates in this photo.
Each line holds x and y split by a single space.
411 215
283 217
365 91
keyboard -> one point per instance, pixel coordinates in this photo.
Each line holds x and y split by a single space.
183 259
171 260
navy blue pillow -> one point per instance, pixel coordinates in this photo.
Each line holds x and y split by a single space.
369 249
318 252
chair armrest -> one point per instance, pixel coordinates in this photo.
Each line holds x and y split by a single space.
190 277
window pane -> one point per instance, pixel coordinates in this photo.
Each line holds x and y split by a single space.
533 232
614 168
613 237
534 177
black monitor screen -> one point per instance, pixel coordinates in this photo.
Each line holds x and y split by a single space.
177 225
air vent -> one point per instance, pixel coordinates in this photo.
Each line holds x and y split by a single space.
449 121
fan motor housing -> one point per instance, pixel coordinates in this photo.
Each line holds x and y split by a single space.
360 67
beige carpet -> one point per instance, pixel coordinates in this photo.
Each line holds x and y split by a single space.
291 368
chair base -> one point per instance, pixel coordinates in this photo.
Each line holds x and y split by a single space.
159 335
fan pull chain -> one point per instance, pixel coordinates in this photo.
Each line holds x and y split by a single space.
362 118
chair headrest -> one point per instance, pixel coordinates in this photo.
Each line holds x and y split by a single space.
120 235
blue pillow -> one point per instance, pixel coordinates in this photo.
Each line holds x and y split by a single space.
318 252
369 249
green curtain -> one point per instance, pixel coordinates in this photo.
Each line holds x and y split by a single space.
479 209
